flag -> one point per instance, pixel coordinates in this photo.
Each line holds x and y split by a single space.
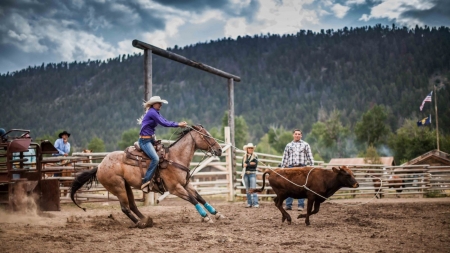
427 99
425 121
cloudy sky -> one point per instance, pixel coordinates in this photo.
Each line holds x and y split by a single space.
33 32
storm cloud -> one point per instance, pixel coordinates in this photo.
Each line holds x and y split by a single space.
33 32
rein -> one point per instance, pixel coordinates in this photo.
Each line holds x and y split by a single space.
184 168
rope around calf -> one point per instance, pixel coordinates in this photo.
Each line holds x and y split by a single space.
303 186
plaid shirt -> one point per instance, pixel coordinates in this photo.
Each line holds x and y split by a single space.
297 153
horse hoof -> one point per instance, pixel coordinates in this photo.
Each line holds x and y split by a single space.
219 216
207 219
145 222
289 222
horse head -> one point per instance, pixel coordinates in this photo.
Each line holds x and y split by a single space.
204 140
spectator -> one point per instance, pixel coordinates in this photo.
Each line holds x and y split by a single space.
62 144
249 165
297 154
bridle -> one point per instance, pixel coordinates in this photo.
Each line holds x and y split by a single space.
206 138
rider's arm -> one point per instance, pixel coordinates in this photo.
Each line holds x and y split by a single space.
161 120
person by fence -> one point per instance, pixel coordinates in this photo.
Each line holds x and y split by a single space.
249 165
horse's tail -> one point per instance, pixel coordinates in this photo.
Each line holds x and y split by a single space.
263 184
86 177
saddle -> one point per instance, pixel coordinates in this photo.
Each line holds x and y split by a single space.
134 156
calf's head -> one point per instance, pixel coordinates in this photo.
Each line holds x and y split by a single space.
345 177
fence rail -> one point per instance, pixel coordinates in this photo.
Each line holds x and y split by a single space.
214 176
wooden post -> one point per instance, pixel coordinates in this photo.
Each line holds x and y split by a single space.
229 161
149 198
437 124
147 74
231 125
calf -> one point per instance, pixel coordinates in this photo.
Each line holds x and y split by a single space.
393 182
321 181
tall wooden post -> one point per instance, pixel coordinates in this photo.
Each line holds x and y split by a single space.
437 124
147 74
229 161
149 198
231 125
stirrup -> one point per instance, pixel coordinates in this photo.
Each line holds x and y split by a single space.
146 186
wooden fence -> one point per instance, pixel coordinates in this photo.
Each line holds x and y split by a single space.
214 176
418 180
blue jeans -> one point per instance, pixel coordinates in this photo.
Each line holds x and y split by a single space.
250 182
147 146
290 201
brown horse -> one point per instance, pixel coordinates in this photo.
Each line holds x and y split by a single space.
118 178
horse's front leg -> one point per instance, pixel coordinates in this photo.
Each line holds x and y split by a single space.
200 199
181 192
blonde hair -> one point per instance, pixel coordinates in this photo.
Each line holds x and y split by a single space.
146 107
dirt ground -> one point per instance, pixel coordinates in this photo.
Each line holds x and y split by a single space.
387 225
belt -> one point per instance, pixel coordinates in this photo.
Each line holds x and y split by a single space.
250 172
146 136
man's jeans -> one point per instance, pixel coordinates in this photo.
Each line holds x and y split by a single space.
290 201
147 146
250 182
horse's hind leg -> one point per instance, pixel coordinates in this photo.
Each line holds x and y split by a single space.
202 201
124 204
181 192
120 190
132 202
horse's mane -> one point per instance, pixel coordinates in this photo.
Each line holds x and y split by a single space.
181 135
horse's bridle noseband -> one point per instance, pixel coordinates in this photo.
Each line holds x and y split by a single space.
210 146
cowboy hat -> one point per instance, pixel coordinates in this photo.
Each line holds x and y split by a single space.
154 100
61 134
249 145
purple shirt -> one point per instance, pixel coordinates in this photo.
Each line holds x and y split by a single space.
151 119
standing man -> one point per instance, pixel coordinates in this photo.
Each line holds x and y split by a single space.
62 144
297 154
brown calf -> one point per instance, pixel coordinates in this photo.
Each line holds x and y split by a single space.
393 182
321 181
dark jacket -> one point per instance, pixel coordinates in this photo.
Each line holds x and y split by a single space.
247 161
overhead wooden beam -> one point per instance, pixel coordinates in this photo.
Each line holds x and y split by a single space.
176 57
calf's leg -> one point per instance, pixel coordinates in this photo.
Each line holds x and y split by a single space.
316 209
279 204
308 212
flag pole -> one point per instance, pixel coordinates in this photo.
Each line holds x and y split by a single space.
437 124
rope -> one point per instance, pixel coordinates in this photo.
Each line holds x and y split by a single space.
304 186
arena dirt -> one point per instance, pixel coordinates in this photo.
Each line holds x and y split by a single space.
387 225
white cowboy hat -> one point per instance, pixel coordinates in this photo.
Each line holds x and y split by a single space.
249 145
154 100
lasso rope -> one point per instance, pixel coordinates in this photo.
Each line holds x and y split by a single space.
303 186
